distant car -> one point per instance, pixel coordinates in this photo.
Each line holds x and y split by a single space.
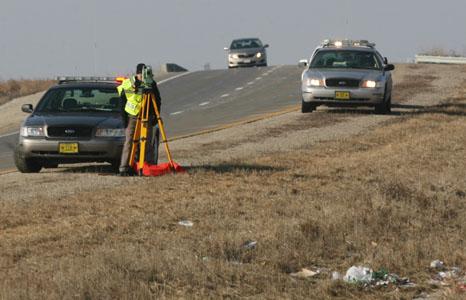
347 73
247 53
75 121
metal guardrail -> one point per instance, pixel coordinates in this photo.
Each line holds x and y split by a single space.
426 59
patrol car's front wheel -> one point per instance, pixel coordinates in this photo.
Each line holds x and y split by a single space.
385 107
26 165
307 107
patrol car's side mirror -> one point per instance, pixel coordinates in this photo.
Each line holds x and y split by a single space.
226 48
266 46
27 108
389 67
302 63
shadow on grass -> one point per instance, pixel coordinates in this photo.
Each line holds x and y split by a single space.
221 169
231 168
398 109
104 169
449 109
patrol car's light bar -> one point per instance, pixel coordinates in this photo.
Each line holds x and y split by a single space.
347 43
62 79
120 79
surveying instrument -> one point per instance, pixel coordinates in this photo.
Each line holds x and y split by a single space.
141 131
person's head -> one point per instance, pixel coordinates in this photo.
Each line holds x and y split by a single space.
139 68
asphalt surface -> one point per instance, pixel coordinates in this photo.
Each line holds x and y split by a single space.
202 100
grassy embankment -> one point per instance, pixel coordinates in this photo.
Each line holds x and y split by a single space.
17 88
393 198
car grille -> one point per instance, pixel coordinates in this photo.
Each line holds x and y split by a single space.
75 132
245 55
342 82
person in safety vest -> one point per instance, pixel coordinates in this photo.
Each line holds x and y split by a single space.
130 92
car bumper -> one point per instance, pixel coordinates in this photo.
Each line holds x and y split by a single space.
96 150
246 62
359 96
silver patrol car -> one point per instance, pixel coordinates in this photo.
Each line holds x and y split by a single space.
78 120
248 52
346 73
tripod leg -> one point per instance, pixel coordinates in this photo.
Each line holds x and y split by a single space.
162 129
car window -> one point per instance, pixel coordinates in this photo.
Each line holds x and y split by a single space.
346 59
80 100
245 44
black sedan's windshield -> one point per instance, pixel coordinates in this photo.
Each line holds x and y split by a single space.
245 44
346 59
80 100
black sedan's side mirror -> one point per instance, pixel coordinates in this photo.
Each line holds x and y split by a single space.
389 67
385 61
27 108
266 46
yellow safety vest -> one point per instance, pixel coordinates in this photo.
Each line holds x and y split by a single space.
133 103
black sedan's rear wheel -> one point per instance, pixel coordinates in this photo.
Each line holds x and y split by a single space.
26 165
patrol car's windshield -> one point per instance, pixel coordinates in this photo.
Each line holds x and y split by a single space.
80 100
346 59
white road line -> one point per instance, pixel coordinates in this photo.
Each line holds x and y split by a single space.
204 103
224 95
250 82
239 88
258 78
176 113
9 134
174 77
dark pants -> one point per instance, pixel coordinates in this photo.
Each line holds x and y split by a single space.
152 146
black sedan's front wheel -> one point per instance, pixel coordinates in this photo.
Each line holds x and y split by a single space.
26 165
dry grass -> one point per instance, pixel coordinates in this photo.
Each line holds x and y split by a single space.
412 85
398 187
17 88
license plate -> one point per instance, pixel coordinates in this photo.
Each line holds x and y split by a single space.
68 148
342 95
247 61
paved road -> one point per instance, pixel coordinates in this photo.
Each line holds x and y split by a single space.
202 100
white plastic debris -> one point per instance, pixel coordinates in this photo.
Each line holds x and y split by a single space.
336 276
358 275
304 273
250 244
436 264
185 223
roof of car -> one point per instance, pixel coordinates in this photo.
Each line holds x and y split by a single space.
356 48
86 84
242 39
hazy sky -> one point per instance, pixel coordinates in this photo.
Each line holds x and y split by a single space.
85 37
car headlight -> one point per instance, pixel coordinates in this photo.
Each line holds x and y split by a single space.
32 131
370 84
259 55
110 132
314 82
234 56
